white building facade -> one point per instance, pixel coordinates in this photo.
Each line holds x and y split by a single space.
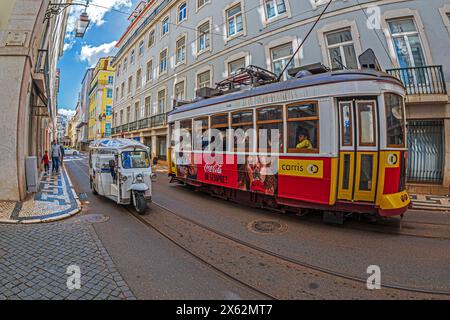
174 47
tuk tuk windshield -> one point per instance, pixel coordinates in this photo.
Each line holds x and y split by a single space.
135 159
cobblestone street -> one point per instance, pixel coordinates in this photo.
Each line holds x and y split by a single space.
34 261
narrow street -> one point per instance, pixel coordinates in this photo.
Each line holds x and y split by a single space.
192 246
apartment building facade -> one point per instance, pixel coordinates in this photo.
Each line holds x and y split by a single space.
101 100
174 47
30 47
83 113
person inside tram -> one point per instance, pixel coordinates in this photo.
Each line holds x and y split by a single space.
303 141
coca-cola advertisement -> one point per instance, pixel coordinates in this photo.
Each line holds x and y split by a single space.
257 174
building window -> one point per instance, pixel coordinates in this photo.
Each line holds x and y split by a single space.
128 114
201 3
149 73
275 8
110 79
117 93
138 79
204 79
121 117
179 91
118 70
280 57
407 44
302 126
161 101
182 12
165 26
234 20
130 82
203 36
147 105
107 129
163 62
341 49
108 110
132 57
122 90
151 38
109 93
125 62
141 48
236 65
136 110
181 50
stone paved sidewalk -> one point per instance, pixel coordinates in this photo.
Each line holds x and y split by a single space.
55 200
430 202
34 261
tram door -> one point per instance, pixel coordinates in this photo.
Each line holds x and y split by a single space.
358 157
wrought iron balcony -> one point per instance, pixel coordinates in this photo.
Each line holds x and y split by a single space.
428 80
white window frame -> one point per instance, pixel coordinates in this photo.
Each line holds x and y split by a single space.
264 16
227 36
134 109
153 30
244 54
130 84
161 73
332 27
445 12
405 13
203 5
178 12
203 70
141 48
157 100
132 56
279 42
152 75
138 83
178 81
149 107
162 26
209 48
177 63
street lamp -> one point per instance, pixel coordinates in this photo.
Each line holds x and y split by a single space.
82 22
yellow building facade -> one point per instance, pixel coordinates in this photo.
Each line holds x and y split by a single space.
101 100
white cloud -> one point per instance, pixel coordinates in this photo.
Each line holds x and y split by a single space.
97 10
92 54
66 112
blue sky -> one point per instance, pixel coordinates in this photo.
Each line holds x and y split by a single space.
106 27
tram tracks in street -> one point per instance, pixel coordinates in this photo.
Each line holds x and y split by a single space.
314 270
176 231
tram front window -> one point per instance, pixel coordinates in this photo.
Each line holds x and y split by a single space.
135 159
395 120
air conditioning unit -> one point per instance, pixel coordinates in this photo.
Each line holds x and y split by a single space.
31 173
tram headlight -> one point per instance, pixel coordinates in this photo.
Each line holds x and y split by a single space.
139 178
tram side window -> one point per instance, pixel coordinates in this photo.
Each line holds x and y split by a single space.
186 127
395 121
269 120
200 140
242 124
220 122
366 114
303 127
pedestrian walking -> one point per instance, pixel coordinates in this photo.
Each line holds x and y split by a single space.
56 154
61 147
46 161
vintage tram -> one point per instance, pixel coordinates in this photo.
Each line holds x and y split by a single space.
342 142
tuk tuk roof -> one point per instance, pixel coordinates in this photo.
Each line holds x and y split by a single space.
117 143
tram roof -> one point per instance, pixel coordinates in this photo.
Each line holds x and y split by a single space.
116 143
307 81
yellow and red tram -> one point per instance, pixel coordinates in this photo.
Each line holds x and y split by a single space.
353 160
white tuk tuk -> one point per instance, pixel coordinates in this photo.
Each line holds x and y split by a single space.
120 169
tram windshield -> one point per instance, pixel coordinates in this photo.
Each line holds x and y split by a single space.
395 121
135 159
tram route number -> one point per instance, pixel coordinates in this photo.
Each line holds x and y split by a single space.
225 309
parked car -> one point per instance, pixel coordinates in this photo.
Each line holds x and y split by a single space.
70 152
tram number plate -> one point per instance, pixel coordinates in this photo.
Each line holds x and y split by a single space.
301 168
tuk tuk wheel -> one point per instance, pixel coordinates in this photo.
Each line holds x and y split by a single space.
94 191
140 203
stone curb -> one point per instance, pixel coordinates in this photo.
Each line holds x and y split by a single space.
52 219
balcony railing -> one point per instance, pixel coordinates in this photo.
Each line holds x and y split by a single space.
149 122
421 80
